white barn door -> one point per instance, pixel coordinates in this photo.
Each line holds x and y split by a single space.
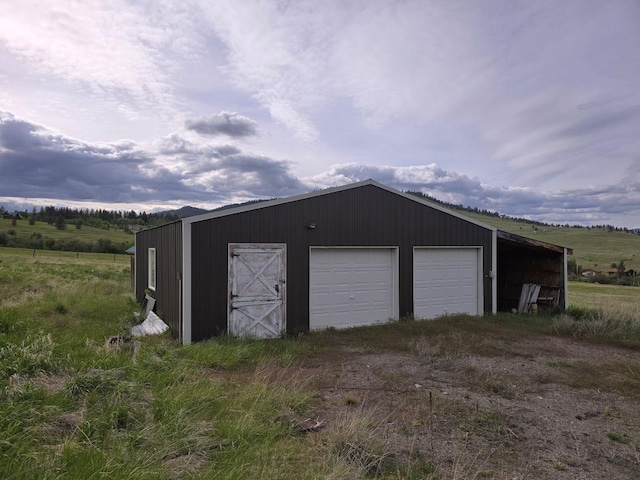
257 283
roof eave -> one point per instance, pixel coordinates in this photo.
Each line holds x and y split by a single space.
530 242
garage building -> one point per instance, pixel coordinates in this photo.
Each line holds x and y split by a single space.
353 255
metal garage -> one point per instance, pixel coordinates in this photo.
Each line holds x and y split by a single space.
345 256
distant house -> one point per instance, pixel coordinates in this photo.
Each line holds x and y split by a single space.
590 272
628 272
8 216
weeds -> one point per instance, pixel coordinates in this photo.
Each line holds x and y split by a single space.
34 354
355 445
615 437
604 324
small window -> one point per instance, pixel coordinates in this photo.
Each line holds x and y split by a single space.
152 268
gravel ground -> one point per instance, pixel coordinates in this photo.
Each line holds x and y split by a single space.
537 408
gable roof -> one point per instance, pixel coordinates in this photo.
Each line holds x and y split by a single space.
329 191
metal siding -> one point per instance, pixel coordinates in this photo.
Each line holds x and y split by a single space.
167 240
362 216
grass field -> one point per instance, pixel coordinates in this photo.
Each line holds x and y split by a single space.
73 407
84 234
607 297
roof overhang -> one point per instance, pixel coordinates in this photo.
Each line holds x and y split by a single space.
531 243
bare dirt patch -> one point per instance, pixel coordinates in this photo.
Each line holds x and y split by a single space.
531 407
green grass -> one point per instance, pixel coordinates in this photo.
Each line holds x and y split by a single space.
602 313
42 236
615 437
86 234
610 297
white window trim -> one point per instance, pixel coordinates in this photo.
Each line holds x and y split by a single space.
152 276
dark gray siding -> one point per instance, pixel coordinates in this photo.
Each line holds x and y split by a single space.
167 240
362 216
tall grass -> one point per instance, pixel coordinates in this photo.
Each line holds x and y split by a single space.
603 324
73 407
602 313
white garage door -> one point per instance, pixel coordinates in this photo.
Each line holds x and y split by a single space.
352 286
446 281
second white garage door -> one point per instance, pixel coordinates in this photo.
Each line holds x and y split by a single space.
352 286
446 281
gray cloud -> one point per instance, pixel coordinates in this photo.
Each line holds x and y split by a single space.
38 163
224 123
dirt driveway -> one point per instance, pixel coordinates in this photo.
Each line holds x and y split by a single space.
540 407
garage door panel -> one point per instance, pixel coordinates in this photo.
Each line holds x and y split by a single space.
445 281
356 286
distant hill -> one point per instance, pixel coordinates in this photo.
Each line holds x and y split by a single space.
189 211
184 212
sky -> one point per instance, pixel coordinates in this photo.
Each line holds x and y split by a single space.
530 109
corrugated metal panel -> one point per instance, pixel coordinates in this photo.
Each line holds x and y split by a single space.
362 216
167 240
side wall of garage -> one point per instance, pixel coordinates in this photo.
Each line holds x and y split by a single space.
167 242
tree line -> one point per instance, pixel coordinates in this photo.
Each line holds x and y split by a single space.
62 217
37 241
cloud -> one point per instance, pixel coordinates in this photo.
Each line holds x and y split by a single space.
38 162
508 79
122 53
224 123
